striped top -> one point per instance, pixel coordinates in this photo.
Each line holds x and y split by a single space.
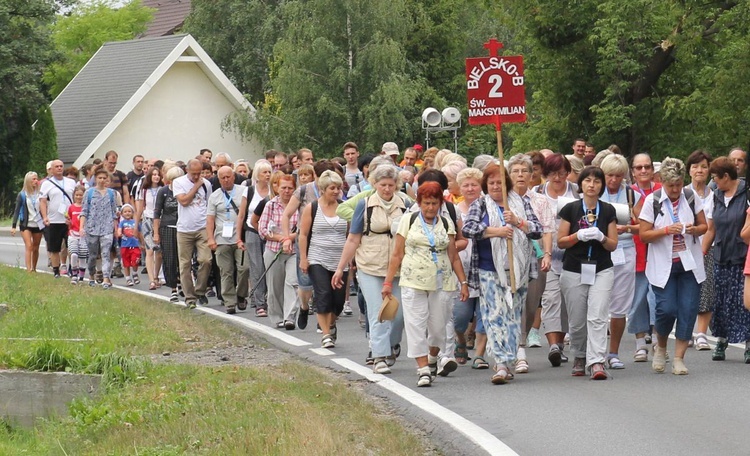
328 236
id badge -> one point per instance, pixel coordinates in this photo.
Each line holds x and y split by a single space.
588 273
618 257
227 230
688 262
62 208
439 280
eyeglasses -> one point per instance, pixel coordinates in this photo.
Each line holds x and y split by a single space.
560 174
642 167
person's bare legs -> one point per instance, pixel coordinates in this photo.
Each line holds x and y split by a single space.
704 319
37 240
28 243
616 330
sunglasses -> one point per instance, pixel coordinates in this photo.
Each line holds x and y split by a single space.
641 167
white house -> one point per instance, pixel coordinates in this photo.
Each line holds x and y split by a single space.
159 97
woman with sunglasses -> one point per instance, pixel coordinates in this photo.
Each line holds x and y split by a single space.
588 232
641 317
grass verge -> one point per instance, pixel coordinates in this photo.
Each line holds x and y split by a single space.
159 409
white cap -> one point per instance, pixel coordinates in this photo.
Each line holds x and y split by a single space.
390 148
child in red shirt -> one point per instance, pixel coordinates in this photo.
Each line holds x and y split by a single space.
78 250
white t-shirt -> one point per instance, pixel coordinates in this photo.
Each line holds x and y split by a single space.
257 198
191 218
57 204
149 202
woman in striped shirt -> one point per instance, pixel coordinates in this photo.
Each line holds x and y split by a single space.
321 242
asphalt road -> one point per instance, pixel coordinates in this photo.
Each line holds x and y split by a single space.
546 411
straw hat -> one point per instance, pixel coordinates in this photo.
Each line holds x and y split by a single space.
388 309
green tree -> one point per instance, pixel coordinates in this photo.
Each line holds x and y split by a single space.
239 35
82 32
666 77
43 142
25 48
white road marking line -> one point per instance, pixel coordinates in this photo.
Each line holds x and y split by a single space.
322 351
488 442
271 332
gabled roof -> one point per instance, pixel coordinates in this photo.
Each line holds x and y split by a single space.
169 16
114 81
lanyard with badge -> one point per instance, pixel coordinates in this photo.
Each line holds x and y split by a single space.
227 229
618 256
433 247
588 267
688 262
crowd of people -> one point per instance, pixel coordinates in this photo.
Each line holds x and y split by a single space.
485 256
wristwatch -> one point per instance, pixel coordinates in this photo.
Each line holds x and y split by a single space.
628 229
465 282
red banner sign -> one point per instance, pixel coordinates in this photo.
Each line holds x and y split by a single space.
495 88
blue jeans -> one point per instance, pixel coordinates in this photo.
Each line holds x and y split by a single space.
387 334
463 311
678 300
638 318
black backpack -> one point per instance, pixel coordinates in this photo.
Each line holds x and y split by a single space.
689 196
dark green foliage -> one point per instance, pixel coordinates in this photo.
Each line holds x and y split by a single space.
43 142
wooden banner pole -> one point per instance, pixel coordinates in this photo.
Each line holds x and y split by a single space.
505 202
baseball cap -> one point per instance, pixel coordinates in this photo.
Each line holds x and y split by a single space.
390 148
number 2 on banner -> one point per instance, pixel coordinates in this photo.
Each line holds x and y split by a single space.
497 81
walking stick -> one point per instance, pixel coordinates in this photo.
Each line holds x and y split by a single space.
263 276
505 201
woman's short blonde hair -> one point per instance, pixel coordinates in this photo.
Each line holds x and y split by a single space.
329 178
173 173
452 169
469 173
452 157
614 164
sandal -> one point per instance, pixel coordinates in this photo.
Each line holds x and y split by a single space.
136 279
613 362
501 376
522 366
129 283
152 286
462 355
701 343
480 363
261 313
641 355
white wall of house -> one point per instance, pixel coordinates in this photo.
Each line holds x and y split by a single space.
180 115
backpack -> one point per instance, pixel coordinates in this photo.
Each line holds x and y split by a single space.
414 216
368 217
90 193
313 211
689 196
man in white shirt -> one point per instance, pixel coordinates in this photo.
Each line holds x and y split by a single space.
223 207
192 192
55 196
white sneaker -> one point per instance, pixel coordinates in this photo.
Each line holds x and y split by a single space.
446 365
347 308
533 339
